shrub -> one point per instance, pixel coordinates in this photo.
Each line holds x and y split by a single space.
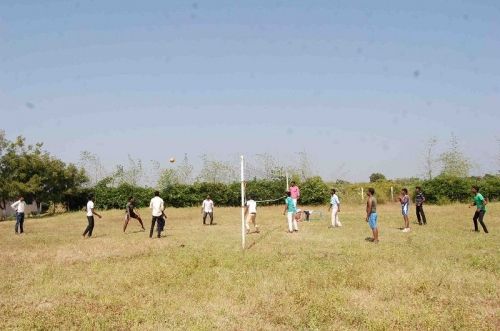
377 177
314 191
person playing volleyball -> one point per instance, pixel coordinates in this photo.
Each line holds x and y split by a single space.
131 213
251 215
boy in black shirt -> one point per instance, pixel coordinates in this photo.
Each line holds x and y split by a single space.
130 213
419 203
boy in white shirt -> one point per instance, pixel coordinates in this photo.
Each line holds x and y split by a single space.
207 209
90 217
19 206
158 212
251 214
335 209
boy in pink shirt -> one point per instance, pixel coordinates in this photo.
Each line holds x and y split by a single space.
294 193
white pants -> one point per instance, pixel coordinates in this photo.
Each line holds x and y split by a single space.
251 218
292 222
335 216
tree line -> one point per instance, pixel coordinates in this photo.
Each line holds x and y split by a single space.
28 170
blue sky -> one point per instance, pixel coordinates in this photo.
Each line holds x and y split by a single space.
359 85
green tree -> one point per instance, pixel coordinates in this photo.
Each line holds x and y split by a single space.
377 177
314 191
29 171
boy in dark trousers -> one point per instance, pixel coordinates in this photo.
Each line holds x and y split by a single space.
480 204
419 205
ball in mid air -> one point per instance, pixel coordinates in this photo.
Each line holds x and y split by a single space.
172 160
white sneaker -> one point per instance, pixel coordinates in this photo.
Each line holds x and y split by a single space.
406 230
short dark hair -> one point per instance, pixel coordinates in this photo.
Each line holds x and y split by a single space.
418 188
371 190
249 197
292 182
157 193
405 190
90 197
288 193
334 190
130 198
475 187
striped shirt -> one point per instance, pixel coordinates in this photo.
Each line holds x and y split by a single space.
419 199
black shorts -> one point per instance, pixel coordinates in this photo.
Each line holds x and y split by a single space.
133 215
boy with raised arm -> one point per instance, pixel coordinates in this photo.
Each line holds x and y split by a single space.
294 193
19 206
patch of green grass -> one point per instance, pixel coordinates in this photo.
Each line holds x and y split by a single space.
439 276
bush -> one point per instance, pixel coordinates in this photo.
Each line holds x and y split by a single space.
314 192
377 177
440 190
446 188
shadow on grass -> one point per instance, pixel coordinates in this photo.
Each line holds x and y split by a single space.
98 236
136 231
262 237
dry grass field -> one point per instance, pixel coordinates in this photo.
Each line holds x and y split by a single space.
438 277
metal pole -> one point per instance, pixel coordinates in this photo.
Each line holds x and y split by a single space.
242 202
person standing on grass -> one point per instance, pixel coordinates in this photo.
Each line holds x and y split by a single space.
207 209
480 204
130 213
371 214
419 205
335 209
251 214
290 210
294 193
404 199
158 212
19 206
90 217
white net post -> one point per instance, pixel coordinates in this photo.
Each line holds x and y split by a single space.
287 185
242 202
